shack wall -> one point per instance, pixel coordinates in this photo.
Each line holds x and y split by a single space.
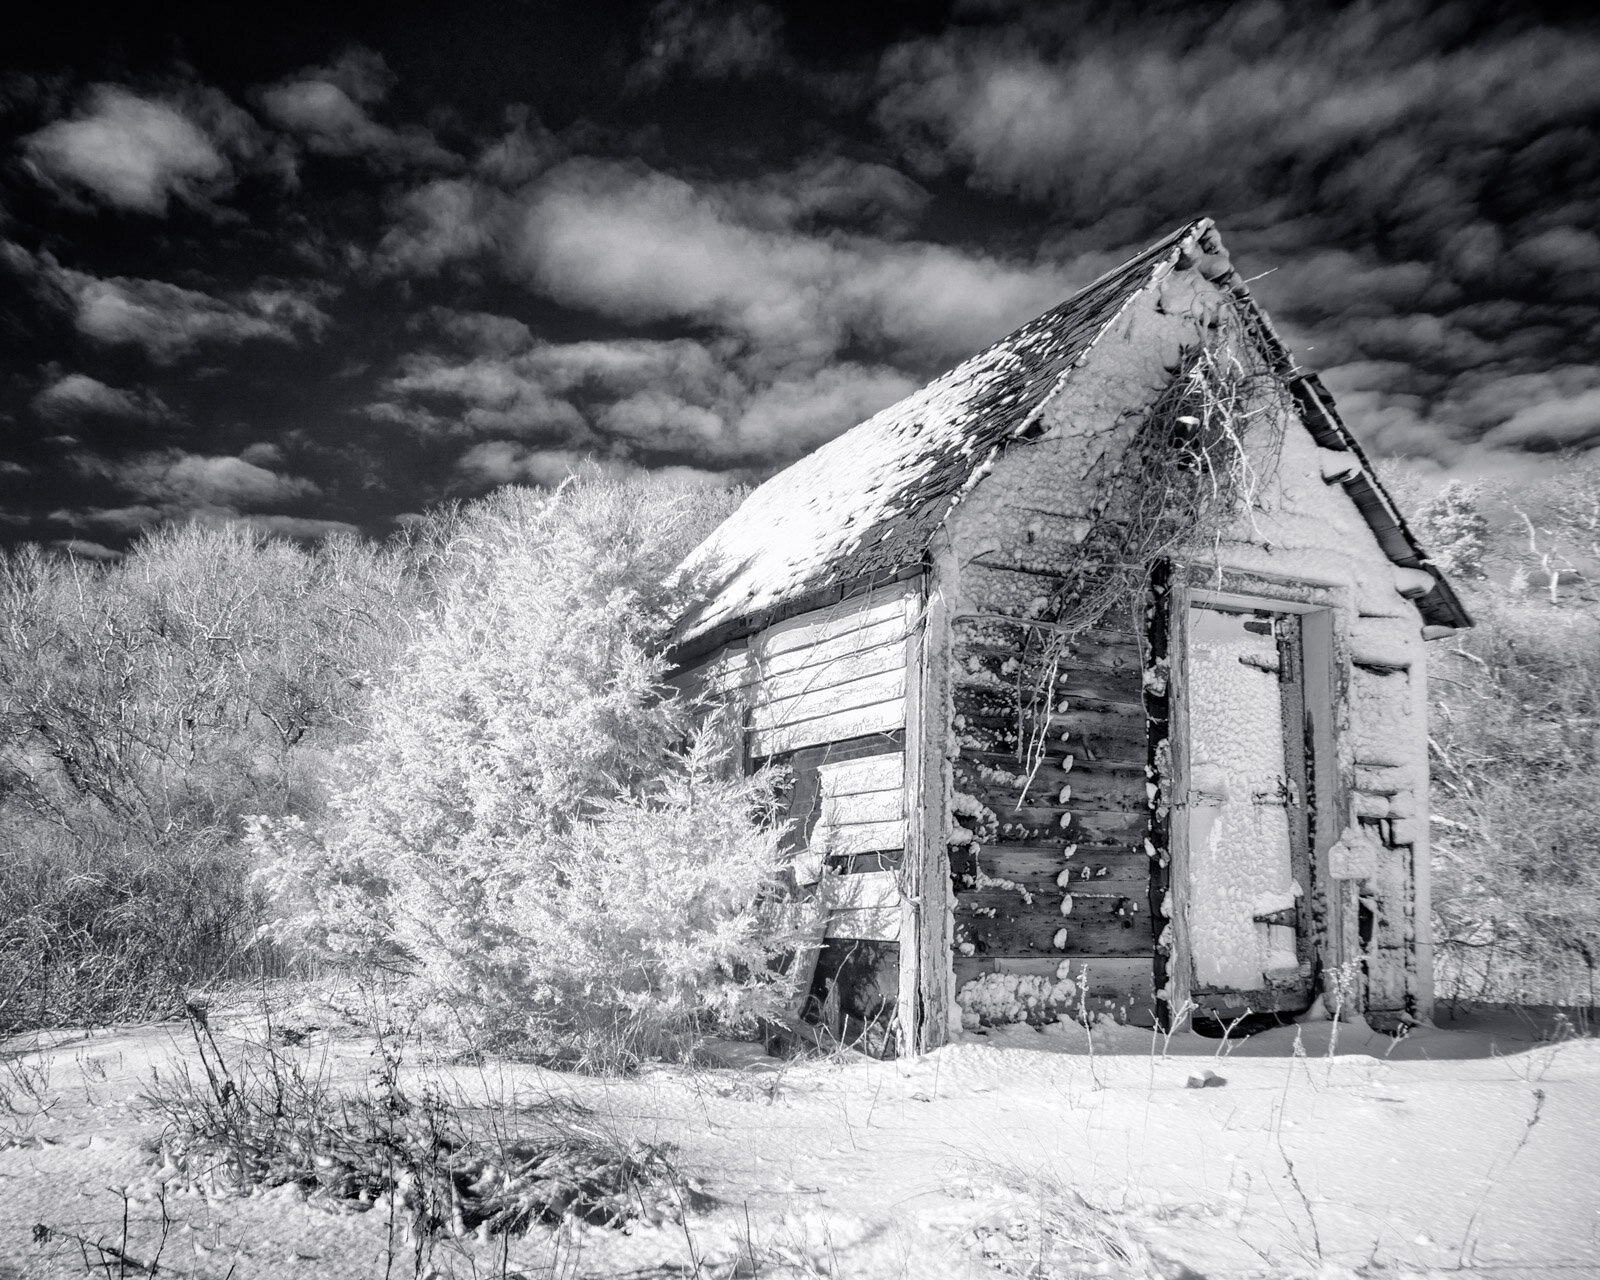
1087 817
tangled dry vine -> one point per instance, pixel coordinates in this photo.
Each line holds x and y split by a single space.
1199 458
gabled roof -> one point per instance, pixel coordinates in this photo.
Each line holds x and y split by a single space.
864 506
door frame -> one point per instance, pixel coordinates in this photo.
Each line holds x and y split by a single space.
1321 608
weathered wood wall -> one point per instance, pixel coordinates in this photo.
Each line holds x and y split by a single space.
822 695
1074 826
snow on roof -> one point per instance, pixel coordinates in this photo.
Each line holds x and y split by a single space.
866 503
864 506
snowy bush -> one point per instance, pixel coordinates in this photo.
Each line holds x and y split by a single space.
1515 732
534 831
145 707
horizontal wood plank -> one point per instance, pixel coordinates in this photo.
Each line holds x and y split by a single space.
1092 929
863 776
890 633
881 717
880 924
858 837
876 689
841 669
859 807
873 744
1039 870
847 617
1051 788
866 891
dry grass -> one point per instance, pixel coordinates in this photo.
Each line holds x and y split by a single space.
437 1162
1050 1232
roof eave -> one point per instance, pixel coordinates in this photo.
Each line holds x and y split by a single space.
1440 607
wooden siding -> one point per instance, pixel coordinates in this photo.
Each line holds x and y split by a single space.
826 676
1078 825
822 695
821 677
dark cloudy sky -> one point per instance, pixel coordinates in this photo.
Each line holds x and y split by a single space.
315 265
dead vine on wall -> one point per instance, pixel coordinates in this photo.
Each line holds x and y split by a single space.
1197 461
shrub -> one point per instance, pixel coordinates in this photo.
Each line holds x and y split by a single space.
535 832
1515 728
145 708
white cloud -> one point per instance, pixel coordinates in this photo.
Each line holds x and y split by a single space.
131 152
443 222
196 480
1553 424
299 526
171 485
326 108
794 415
642 246
86 550
630 398
486 395
77 395
168 321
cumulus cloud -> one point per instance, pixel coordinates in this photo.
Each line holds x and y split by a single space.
300 527
509 383
199 480
828 189
171 485
481 395
443 223
128 151
74 396
642 246
1236 107
168 321
327 109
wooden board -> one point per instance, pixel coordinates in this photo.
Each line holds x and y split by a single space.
1038 870
840 724
1093 929
848 617
843 668
868 891
1096 714
873 705
858 837
878 924
1084 789
884 634
1003 673
1108 727
864 775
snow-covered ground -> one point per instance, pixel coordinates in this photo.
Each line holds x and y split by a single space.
1472 1151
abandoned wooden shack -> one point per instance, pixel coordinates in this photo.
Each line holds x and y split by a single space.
1097 665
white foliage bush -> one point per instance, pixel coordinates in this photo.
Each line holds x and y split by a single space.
535 832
